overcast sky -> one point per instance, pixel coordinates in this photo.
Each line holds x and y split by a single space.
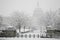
8 6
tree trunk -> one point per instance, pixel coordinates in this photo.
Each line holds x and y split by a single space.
19 29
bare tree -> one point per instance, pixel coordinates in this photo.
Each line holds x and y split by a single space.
19 19
1 20
57 19
48 19
50 16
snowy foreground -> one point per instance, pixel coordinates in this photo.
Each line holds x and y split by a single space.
29 39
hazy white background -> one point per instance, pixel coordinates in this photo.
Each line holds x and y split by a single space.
28 6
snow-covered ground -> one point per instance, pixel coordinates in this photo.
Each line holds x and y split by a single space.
28 39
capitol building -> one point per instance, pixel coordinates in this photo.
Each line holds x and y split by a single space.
36 20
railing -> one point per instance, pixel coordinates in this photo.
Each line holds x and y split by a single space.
30 36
